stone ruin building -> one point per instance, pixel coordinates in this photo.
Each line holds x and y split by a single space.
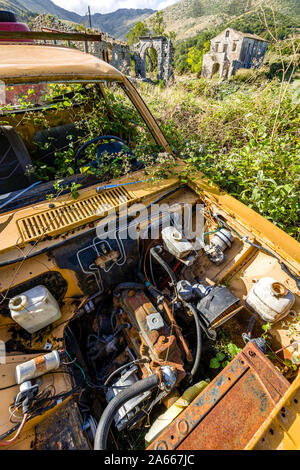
164 49
232 50
115 52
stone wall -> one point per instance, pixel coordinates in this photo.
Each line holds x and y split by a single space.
164 49
109 49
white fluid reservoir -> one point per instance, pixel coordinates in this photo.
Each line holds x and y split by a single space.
34 309
176 243
270 299
37 366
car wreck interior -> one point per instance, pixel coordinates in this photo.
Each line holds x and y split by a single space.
38 122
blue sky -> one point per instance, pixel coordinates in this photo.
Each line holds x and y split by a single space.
98 6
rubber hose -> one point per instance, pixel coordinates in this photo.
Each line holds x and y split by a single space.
164 196
162 262
116 403
199 338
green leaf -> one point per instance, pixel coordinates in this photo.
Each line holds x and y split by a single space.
220 356
289 363
233 349
214 363
266 326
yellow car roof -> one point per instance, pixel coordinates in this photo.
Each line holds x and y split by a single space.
25 63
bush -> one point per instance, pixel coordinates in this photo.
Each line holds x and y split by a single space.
231 132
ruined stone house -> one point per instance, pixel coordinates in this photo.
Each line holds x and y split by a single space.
109 49
232 50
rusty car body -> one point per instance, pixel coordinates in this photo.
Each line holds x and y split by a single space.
129 340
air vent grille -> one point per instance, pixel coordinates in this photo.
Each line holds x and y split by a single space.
55 221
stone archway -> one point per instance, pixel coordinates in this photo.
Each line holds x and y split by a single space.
215 69
151 57
164 49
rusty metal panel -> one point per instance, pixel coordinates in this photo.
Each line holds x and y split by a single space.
281 430
62 430
232 407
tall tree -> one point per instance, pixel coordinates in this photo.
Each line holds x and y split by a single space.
136 31
157 23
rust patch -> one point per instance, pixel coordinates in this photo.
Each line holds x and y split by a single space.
104 261
62 430
228 412
160 345
40 364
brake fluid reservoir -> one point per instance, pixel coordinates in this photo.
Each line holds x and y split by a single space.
175 242
270 299
34 309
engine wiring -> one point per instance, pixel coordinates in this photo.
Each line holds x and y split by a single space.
19 430
102 379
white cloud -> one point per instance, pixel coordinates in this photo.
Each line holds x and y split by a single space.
165 4
81 6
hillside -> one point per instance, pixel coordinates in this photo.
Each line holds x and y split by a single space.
116 24
186 17
189 17
25 8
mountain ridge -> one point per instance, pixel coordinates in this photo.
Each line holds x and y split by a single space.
186 18
116 24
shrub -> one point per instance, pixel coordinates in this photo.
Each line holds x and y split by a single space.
231 132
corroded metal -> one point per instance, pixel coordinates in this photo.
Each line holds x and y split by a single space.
229 411
178 332
160 345
62 430
103 261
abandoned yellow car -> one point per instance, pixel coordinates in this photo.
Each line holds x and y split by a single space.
138 310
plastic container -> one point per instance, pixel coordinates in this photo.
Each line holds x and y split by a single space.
34 309
166 418
37 366
270 299
175 242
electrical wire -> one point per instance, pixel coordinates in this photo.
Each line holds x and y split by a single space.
154 252
19 194
13 440
197 359
42 410
51 372
212 231
8 386
88 382
174 270
12 413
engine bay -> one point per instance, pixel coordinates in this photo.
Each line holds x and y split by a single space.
157 319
